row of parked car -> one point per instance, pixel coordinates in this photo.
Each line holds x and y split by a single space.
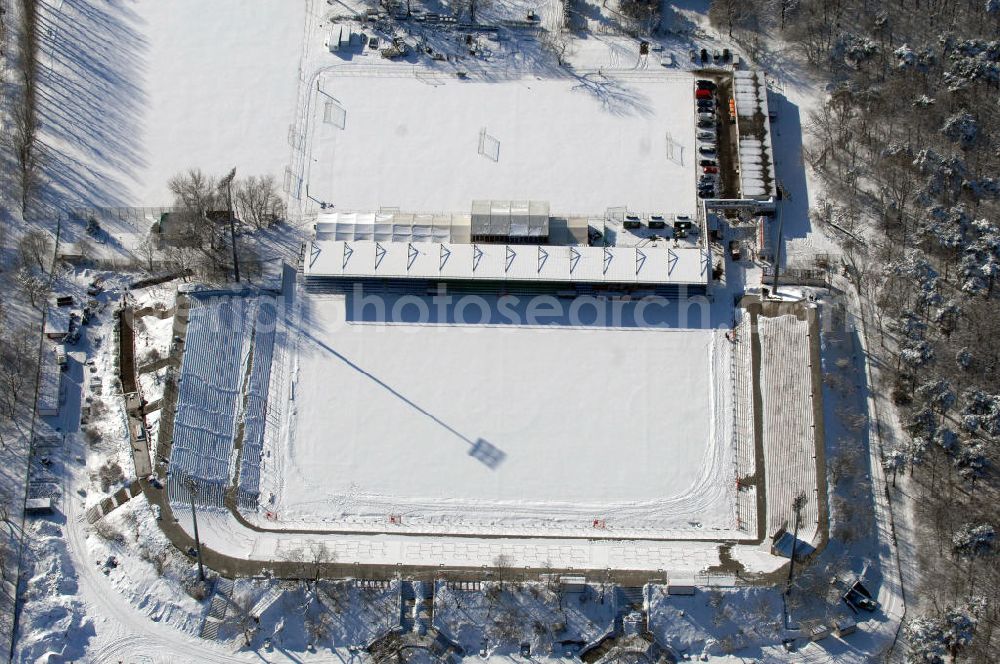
708 180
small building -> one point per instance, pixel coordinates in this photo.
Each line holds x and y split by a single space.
38 506
49 382
681 587
177 229
845 626
510 222
57 323
573 584
339 38
819 632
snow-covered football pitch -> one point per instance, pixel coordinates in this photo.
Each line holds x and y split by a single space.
522 430
431 142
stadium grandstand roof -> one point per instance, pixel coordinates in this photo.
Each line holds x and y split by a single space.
684 264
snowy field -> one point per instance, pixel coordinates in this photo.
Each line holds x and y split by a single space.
421 141
507 429
139 91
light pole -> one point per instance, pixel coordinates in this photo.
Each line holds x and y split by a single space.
227 182
192 487
777 250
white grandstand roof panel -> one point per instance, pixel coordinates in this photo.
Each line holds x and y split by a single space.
424 259
521 262
320 257
590 264
489 260
552 263
456 261
651 265
359 258
393 259
619 264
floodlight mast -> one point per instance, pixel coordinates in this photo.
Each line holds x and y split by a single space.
227 182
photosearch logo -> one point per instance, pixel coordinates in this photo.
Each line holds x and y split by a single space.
535 310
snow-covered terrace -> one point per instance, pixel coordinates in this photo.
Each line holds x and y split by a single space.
756 155
652 265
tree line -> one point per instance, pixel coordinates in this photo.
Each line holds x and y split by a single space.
907 143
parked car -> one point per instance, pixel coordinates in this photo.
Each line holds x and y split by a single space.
706 124
711 169
707 150
706 193
705 84
706 136
703 94
734 249
706 116
708 162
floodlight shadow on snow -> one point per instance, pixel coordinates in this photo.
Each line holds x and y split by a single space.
487 453
390 389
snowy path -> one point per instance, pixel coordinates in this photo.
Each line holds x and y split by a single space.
122 631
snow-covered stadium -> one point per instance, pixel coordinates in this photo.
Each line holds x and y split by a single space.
510 370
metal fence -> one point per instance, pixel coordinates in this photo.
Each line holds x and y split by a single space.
138 218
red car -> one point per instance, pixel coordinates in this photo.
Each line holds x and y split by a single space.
711 169
703 94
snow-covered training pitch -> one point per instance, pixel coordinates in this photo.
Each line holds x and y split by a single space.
435 143
519 430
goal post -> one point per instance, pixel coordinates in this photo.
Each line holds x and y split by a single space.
335 114
674 150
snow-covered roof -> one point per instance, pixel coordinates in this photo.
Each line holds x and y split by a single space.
756 156
387 226
685 264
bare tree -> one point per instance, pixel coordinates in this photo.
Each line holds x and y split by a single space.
24 116
728 13
147 250
24 131
196 194
557 42
35 247
243 620
474 6
257 201
502 564
194 190
184 258
34 286
320 555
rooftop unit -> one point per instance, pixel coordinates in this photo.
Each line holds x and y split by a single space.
510 222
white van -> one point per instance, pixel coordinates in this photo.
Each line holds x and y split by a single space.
61 356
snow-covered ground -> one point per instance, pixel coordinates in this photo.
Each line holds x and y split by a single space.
211 93
584 143
221 532
513 429
213 85
498 616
